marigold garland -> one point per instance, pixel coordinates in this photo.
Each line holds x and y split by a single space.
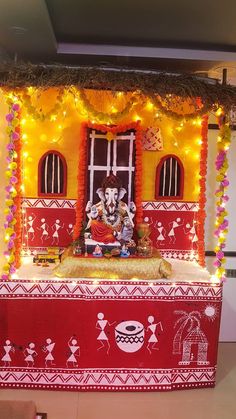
222 223
26 99
13 193
82 152
82 168
199 111
202 194
107 118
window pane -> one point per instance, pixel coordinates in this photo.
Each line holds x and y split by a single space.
123 152
100 152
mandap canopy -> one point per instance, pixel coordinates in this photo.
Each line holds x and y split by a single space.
50 117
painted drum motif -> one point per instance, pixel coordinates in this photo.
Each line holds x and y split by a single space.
129 335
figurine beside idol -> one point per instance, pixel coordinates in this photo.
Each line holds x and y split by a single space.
145 246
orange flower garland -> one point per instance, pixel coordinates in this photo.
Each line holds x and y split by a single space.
112 130
202 193
81 181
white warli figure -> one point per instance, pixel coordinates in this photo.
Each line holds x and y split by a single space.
161 233
174 224
55 236
102 337
30 354
31 231
70 229
48 348
192 230
74 348
8 348
153 338
44 227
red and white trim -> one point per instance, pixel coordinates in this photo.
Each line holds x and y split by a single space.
107 379
107 290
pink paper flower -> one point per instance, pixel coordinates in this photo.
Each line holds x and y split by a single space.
15 107
9 117
15 136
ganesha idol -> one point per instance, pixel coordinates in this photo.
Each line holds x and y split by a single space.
111 220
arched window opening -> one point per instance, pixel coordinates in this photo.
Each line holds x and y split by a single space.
169 178
52 174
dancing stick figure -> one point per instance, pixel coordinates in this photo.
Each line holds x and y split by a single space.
49 348
162 233
8 348
70 229
30 354
191 231
102 337
44 226
74 347
55 236
30 223
174 225
153 338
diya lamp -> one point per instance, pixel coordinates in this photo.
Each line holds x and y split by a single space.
145 247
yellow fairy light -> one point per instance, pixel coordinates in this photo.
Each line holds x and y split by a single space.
149 106
198 122
24 136
23 121
25 154
53 117
219 111
199 141
119 94
137 118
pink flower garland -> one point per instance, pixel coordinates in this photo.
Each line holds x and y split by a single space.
11 190
221 223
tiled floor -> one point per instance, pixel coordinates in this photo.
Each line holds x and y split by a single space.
217 403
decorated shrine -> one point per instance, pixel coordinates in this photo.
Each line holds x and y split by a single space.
104 284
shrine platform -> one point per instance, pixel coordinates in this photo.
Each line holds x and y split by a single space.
109 335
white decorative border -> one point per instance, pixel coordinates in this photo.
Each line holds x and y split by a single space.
71 203
48 203
170 206
189 255
107 290
107 379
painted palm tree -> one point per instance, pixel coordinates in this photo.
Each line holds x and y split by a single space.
187 321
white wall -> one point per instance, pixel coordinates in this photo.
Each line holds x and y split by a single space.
228 321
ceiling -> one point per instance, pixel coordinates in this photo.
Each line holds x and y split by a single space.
166 35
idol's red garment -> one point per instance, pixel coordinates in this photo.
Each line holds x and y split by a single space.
101 232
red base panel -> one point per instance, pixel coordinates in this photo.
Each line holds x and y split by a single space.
108 336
